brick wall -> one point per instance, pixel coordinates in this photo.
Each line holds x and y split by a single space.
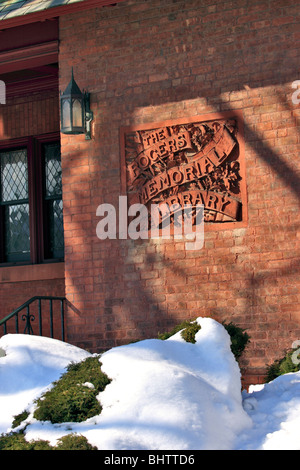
149 61
27 114
19 284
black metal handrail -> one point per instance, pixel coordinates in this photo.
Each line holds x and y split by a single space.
29 318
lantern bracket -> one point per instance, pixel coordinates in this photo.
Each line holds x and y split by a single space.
89 115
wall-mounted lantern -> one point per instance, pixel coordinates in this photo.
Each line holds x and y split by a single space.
76 115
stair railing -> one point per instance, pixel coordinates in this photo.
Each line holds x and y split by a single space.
28 317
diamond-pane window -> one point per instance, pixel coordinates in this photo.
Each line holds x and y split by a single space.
56 228
17 238
53 169
14 175
14 205
53 199
31 209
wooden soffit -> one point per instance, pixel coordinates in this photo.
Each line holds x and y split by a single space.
28 57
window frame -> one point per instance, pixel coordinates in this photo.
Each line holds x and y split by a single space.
37 204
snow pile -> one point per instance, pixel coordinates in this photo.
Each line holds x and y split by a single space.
163 395
275 411
28 365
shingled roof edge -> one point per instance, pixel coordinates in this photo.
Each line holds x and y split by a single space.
54 12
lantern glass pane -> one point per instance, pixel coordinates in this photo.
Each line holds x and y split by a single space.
66 114
77 114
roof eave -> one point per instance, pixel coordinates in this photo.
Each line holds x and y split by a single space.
54 12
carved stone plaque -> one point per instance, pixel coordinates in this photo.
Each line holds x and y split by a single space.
199 161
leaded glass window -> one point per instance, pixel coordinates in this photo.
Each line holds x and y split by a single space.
31 208
53 199
15 205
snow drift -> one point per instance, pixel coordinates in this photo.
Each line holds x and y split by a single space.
163 395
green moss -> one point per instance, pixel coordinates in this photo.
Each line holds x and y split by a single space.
70 400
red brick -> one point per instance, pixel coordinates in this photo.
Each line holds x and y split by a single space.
142 64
